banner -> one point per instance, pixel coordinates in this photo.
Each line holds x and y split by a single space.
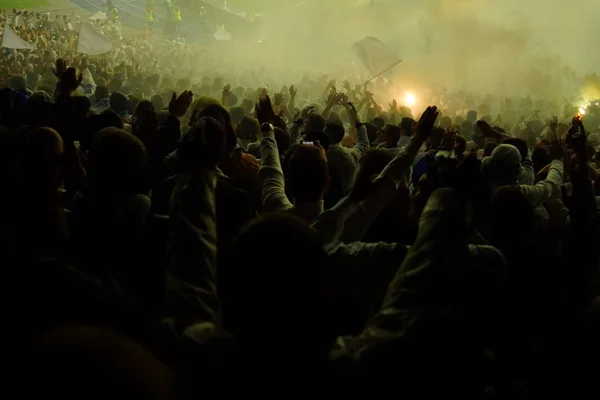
91 41
375 56
11 40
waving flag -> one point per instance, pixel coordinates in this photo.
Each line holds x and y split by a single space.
11 40
91 41
375 56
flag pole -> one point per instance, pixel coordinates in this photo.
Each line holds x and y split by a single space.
78 34
382 72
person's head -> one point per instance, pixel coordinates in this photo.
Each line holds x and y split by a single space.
111 119
101 93
307 173
70 361
407 126
119 103
540 156
143 109
335 132
472 116
372 133
219 113
158 102
445 122
237 113
202 146
42 159
379 122
39 109
503 166
520 144
81 107
17 82
276 299
390 134
314 122
118 163
248 129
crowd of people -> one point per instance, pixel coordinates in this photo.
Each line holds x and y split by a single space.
168 233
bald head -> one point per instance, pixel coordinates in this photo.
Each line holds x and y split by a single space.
89 362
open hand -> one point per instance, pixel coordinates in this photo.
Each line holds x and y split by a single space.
425 124
226 91
264 111
179 105
69 80
293 91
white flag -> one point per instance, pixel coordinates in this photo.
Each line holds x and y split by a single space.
222 34
374 55
11 40
91 41
98 16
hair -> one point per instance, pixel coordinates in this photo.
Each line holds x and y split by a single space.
221 114
118 163
308 173
520 144
379 122
111 119
315 123
237 113
251 296
247 129
335 132
372 132
394 132
201 145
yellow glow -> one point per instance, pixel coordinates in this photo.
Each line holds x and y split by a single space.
410 99
582 110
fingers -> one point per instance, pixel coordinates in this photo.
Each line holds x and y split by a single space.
174 97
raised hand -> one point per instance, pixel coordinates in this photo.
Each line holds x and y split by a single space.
425 124
346 86
293 91
263 93
307 111
352 113
69 80
488 131
394 107
179 105
264 111
278 99
226 91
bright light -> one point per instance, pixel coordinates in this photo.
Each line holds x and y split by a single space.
410 99
582 110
